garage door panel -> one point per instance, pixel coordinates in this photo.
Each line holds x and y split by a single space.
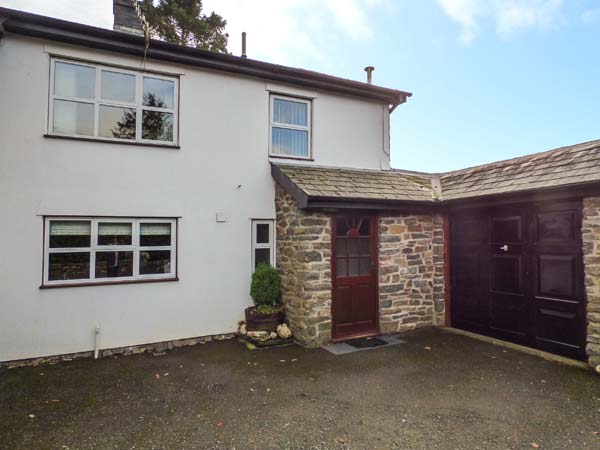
524 283
556 276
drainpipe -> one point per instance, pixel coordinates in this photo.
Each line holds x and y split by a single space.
96 341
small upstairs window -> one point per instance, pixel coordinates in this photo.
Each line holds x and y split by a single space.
263 245
113 104
290 127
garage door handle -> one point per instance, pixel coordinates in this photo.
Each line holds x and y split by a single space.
504 248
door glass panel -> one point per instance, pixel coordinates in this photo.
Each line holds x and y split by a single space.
364 226
341 267
365 266
365 246
341 226
340 246
353 267
354 246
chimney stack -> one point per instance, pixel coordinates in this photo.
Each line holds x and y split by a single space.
244 45
125 17
369 70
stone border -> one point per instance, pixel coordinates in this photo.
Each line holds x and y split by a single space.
155 347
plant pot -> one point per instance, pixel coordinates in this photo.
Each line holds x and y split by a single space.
262 322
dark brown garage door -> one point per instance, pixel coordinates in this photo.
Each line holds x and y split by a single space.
517 274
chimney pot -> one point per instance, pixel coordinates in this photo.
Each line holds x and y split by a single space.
369 70
125 17
244 45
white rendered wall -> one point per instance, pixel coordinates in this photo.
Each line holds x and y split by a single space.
224 143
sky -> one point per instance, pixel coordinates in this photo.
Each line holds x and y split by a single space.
492 79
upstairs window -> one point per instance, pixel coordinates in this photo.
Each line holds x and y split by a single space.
93 101
290 127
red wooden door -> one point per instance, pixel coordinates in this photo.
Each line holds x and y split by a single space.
354 273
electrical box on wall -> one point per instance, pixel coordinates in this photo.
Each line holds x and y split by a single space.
221 217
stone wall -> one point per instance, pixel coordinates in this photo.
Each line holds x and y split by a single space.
590 231
304 261
411 271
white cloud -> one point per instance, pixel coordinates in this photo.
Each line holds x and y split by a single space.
278 30
591 17
509 16
306 29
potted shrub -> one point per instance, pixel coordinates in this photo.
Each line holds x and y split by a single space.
265 290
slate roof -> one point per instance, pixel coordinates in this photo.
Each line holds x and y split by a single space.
564 166
567 166
356 184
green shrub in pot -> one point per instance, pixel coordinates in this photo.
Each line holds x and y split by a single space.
265 289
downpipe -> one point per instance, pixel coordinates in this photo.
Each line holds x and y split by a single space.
96 342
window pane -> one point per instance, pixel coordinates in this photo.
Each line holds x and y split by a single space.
68 266
157 126
293 113
155 262
262 233
365 246
74 80
365 266
289 142
114 233
262 255
341 267
353 247
159 93
155 234
340 246
114 264
73 118
353 267
70 233
116 122
118 86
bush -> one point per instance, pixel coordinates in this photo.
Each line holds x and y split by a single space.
265 287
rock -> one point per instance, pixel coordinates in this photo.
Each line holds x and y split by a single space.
258 335
272 335
283 331
598 369
243 328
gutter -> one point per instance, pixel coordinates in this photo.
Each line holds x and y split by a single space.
34 25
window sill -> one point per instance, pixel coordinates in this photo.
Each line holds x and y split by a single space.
296 158
107 141
106 283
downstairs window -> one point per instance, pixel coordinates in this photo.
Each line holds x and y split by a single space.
93 250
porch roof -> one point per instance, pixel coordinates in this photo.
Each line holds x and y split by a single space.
572 168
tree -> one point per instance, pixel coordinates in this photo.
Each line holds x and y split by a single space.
182 22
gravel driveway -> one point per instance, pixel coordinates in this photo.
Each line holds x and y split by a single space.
436 391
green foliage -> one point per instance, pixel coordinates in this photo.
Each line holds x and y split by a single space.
265 287
182 22
266 309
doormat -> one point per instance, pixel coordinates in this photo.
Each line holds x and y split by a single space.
342 348
366 342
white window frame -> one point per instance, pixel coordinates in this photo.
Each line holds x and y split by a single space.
270 245
97 101
135 247
307 128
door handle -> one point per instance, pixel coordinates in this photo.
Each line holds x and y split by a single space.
504 248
